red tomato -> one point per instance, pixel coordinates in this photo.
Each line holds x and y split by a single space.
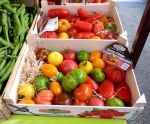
67 66
79 103
106 89
93 84
58 12
84 35
72 18
123 92
114 74
82 26
83 14
48 34
71 32
94 17
69 54
98 26
83 92
95 102
44 97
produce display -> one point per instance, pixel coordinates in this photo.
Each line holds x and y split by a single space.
70 77
62 24
87 1
15 21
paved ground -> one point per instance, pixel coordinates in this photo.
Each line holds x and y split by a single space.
130 14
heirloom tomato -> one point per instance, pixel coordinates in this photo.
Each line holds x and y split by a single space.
72 79
98 26
55 58
79 103
93 84
63 25
114 74
86 66
114 102
44 97
63 99
98 63
59 77
95 54
42 53
48 34
83 14
84 35
26 91
49 70
95 102
58 12
55 87
71 32
67 66
41 82
82 55
106 89
97 75
83 92
123 92
69 54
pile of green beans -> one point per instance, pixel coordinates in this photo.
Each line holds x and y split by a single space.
15 22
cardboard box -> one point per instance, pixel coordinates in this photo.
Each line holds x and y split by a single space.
10 97
108 9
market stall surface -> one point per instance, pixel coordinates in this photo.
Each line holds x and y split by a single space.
130 14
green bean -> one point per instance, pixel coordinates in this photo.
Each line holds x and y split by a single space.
7 74
17 24
9 8
22 22
16 50
0 28
9 23
21 40
3 48
3 63
3 2
22 8
3 52
15 4
4 42
2 72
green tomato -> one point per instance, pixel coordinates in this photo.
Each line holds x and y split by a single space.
72 79
97 75
115 102
59 77
41 82
82 55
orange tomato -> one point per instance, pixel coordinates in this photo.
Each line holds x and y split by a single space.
63 25
26 101
79 103
55 87
104 19
96 37
49 70
95 54
98 63
101 35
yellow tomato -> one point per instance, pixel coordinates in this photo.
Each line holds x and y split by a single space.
26 91
55 58
95 37
98 63
55 87
86 66
63 35
26 101
63 25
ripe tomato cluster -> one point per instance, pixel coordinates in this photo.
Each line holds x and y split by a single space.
82 25
76 78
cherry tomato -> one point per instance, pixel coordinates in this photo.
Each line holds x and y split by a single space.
95 102
83 92
98 63
69 54
106 89
93 84
63 99
83 14
84 35
44 97
82 26
58 12
79 103
71 32
26 101
55 58
42 53
67 66
95 54
72 18
82 55
97 75
86 66
55 87
123 92
48 34
49 70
